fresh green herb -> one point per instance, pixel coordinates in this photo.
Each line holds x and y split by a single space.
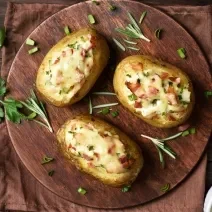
50 173
192 130
105 111
67 30
30 42
128 75
1 114
119 44
82 191
95 2
132 97
126 188
105 105
133 48
72 45
2 87
182 53
112 7
142 17
132 30
46 160
115 113
90 105
118 154
189 131
129 42
33 50
180 97
154 101
90 147
207 93
163 113
2 36
165 188
91 19
170 83
158 33
31 116
104 93
71 132
146 74
35 105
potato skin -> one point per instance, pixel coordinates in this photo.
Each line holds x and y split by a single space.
118 81
112 179
101 55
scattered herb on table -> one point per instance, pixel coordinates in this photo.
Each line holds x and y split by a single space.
165 188
115 113
126 188
182 53
189 131
142 17
132 30
46 160
2 36
112 7
82 191
158 33
95 2
132 97
119 44
105 111
67 30
91 19
104 93
33 50
2 87
133 48
50 173
208 94
90 105
30 42
129 42
105 105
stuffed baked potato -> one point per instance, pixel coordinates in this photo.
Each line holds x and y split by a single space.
101 150
71 67
157 92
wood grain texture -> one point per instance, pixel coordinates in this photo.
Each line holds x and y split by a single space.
32 142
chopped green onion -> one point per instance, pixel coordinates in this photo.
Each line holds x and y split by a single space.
158 33
82 191
104 93
46 160
50 173
130 42
30 42
112 7
91 19
67 30
115 113
90 105
185 133
165 188
105 111
192 130
132 97
119 44
133 48
31 116
126 188
142 16
208 93
95 2
33 50
182 53
2 36
105 105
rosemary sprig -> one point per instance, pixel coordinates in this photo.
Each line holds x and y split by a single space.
105 105
35 105
104 93
132 30
90 105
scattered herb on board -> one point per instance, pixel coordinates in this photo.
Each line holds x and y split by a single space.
165 188
182 53
2 36
105 111
142 17
30 42
1 114
208 94
2 87
90 105
158 33
50 173
132 30
132 97
105 105
129 42
126 188
104 93
91 19
133 48
189 131
95 2
119 44
33 50
114 113
112 7
81 191
46 160
67 30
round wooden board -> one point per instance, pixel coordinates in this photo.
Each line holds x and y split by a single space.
32 142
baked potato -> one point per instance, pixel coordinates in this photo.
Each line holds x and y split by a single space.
157 92
71 67
101 150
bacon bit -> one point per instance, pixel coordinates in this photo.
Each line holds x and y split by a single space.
177 80
93 41
71 147
57 60
72 51
152 90
171 90
183 127
171 118
139 92
87 157
103 135
143 96
59 77
83 53
90 164
123 159
172 98
132 86
137 66
164 75
63 53
80 75
137 104
172 78
97 155
111 149
128 163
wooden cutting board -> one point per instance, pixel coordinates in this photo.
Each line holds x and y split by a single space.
32 142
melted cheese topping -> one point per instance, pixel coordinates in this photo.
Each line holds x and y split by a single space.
152 93
69 68
100 149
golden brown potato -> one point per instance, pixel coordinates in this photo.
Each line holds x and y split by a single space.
72 66
157 92
101 150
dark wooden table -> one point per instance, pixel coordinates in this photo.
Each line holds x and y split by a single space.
3 5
